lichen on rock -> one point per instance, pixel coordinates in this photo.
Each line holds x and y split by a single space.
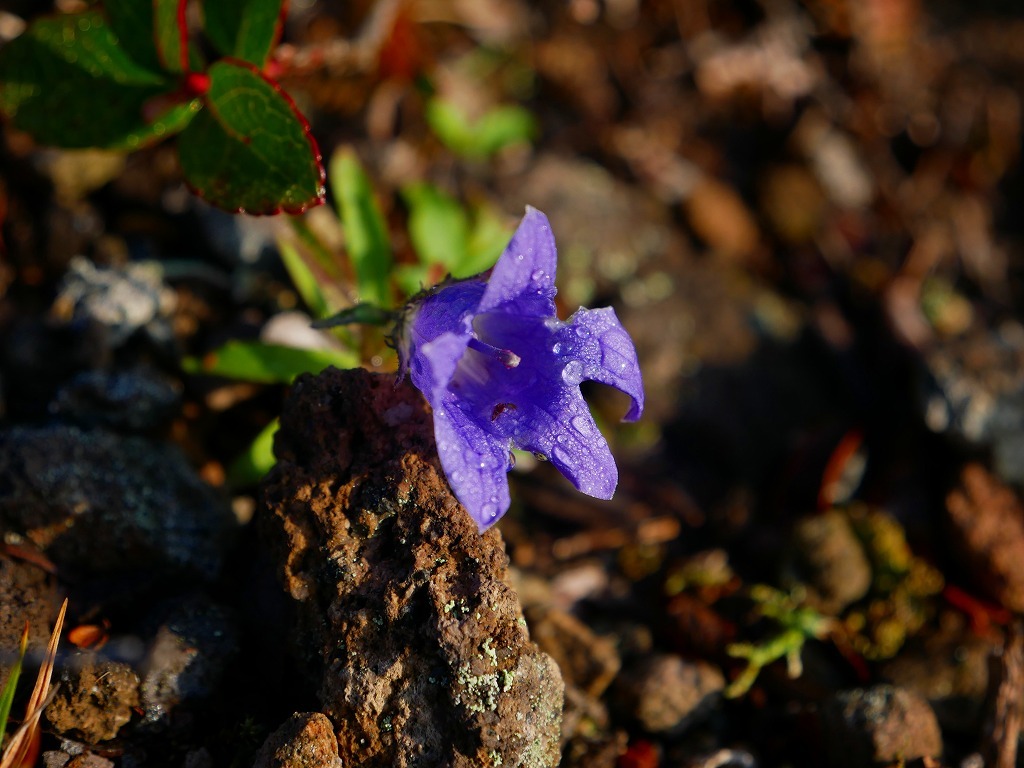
405 616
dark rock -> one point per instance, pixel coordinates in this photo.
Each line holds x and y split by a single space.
94 699
665 693
883 724
186 659
122 401
25 595
404 610
987 520
833 560
98 502
306 740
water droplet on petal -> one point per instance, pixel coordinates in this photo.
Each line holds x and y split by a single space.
538 274
556 348
561 456
519 257
584 425
490 510
582 331
572 374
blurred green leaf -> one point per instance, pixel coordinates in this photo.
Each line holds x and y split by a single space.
169 18
150 32
366 236
499 128
411 278
250 150
360 314
487 240
68 82
305 281
438 227
11 685
267 363
257 460
245 29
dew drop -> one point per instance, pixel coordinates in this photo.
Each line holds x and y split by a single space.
560 455
556 348
583 425
582 331
519 257
490 510
538 274
572 374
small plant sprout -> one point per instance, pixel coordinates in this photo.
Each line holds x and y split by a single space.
797 625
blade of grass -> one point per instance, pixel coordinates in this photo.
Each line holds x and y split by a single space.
7 697
20 744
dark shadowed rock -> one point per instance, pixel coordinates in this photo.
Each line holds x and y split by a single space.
306 740
832 560
186 658
98 501
404 611
666 693
883 724
94 699
25 595
136 401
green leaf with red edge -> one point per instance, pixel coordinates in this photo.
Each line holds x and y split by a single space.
251 150
151 31
68 82
244 29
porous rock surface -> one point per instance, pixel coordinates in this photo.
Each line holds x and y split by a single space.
404 612
97 501
305 740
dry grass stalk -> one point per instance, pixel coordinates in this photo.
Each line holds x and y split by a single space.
18 749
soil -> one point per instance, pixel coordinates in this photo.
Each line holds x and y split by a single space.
808 217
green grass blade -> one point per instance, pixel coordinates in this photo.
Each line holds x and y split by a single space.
7 695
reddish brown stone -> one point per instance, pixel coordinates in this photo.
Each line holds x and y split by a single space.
404 611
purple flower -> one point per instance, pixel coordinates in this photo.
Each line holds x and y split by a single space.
501 371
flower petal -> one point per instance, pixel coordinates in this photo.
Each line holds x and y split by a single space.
523 280
564 431
476 463
597 348
475 460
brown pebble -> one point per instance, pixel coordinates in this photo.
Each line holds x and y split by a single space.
305 740
869 726
987 521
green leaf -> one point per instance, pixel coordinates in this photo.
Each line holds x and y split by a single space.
267 363
499 128
11 685
257 460
303 279
152 32
366 236
251 150
245 29
488 239
66 81
360 314
438 227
